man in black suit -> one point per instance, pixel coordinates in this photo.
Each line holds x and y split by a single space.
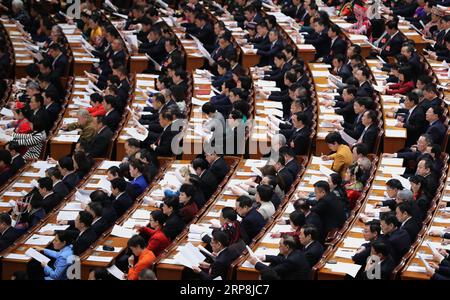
426 170
99 223
155 48
413 119
217 165
39 114
329 208
369 134
277 74
261 40
163 145
365 88
203 31
397 239
345 107
70 178
290 162
290 264
404 212
121 201
58 185
17 161
430 97
379 254
322 41
299 137
295 10
208 182
393 45
83 235
252 221
437 130
49 198
51 106
267 52
7 233
174 223
123 88
360 106
338 46
287 179
251 16
112 117
98 147
221 263
312 249
225 49
173 54
60 67
371 233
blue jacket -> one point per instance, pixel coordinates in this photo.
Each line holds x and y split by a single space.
62 262
140 183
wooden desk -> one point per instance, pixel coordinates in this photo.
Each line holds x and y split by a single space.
11 265
415 269
268 245
166 267
374 195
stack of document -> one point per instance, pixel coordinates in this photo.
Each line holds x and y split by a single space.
189 256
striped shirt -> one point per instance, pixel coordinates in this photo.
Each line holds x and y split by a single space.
33 141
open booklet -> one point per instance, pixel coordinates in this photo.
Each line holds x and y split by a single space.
189 256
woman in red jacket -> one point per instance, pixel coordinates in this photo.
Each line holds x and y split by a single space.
405 84
97 108
158 241
21 123
190 208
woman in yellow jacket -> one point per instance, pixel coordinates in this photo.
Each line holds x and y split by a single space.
342 156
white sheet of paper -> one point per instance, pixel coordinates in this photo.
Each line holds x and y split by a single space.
114 271
122 232
37 256
99 258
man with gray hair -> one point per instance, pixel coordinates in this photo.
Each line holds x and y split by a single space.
404 196
19 13
278 141
86 125
31 88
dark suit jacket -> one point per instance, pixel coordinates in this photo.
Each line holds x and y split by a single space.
99 144
365 90
71 180
293 267
122 204
321 43
49 202
61 189
287 178
42 116
412 228
154 49
338 47
345 109
344 72
174 226
251 225
399 243
219 168
8 238
100 226
53 111
369 138
293 167
163 144
208 183
386 268
313 219
415 124
437 131
331 212
267 52
220 265
17 163
393 46
112 120
313 253
301 140
82 242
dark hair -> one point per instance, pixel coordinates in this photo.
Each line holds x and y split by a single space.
361 149
311 230
5 219
221 237
45 183
297 218
200 163
389 218
64 236
208 108
394 184
289 241
159 217
380 247
86 218
374 226
136 241
244 201
97 208
323 185
265 192
188 189
119 183
66 162
405 207
172 202
98 196
229 214
334 137
286 150
5 156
